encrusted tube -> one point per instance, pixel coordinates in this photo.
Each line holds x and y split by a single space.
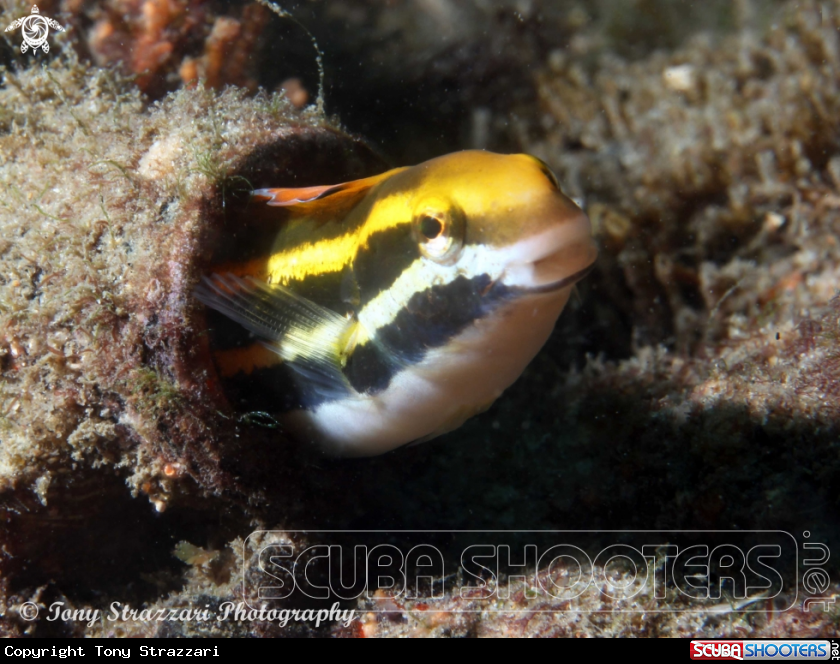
109 210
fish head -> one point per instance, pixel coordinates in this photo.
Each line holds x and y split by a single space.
476 213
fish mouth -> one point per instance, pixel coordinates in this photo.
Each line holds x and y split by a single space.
554 259
571 280
561 268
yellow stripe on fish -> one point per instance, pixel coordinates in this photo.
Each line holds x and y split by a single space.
399 305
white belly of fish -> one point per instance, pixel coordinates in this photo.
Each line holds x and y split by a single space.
448 386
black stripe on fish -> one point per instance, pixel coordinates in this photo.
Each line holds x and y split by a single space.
430 320
387 255
370 369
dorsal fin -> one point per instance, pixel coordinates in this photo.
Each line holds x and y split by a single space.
335 197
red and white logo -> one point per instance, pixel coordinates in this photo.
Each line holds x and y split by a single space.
717 650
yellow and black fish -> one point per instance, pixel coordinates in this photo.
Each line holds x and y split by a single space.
404 303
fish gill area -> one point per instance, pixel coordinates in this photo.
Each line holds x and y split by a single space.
693 383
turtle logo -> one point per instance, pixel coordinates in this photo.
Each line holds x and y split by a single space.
35 29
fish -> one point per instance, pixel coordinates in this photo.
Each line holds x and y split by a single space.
388 310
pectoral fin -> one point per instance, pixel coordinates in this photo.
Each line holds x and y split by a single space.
313 340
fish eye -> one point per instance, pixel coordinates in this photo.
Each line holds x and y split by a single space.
439 233
430 227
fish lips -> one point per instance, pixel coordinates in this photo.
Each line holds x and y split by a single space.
566 282
554 260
